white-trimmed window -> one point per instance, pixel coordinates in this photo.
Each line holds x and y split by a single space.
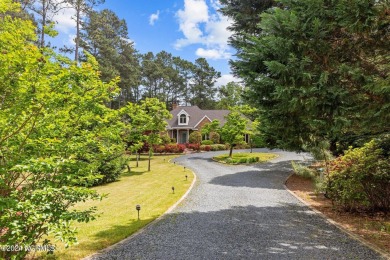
183 119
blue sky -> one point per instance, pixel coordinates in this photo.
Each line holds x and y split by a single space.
186 28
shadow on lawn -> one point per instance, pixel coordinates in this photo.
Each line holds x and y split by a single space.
115 233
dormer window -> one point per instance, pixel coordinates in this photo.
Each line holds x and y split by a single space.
183 119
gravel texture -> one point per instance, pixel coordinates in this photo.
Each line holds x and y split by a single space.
240 212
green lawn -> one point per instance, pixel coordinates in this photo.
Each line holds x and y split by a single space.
244 158
152 190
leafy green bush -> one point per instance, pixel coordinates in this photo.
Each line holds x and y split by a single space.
257 141
214 137
241 158
303 171
207 142
195 137
360 179
218 147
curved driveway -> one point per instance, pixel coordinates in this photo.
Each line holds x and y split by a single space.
240 212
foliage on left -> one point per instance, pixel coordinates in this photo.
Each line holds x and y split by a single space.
57 137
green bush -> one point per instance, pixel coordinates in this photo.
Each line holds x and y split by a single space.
214 137
195 137
207 142
257 141
218 147
360 179
111 169
303 171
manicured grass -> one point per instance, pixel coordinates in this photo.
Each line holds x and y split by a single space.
244 158
118 220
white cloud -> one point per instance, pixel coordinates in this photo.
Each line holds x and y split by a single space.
201 24
213 54
154 17
64 21
225 79
195 13
71 38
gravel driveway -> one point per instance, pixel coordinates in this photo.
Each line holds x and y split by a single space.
240 212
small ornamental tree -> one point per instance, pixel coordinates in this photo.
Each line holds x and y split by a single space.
211 127
155 115
234 129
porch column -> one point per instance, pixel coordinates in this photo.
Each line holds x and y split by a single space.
188 136
177 136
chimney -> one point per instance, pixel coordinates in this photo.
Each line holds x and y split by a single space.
174 105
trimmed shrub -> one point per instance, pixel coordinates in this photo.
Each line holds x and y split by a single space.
205 148
169 148
214 137
218 147
242 145
360 179
195 137
159 148
207 142
195 147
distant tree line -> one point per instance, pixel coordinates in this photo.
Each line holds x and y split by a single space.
103 34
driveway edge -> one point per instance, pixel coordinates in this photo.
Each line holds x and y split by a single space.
375 248
140 231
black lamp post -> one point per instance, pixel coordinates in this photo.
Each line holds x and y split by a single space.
173 190
138 208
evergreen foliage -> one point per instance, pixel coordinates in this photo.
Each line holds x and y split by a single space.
317 70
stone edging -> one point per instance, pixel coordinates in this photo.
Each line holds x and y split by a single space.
140 231
375 248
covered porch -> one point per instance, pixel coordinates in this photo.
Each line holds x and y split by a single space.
181 135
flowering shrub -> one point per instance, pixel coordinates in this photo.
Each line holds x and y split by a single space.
205 148
169 148
360 179
195 147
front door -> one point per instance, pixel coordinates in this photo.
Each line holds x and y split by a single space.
183 137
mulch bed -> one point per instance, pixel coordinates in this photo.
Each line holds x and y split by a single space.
374 228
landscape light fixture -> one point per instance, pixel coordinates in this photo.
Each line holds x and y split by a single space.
173 190
184 168
186 176
138 208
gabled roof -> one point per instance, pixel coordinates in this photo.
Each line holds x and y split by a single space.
196 115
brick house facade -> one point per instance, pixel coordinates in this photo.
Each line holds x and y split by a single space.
186 119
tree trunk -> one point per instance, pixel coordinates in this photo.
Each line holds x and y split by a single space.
231 150
137 158
77 42
150 155
44 14
128 168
